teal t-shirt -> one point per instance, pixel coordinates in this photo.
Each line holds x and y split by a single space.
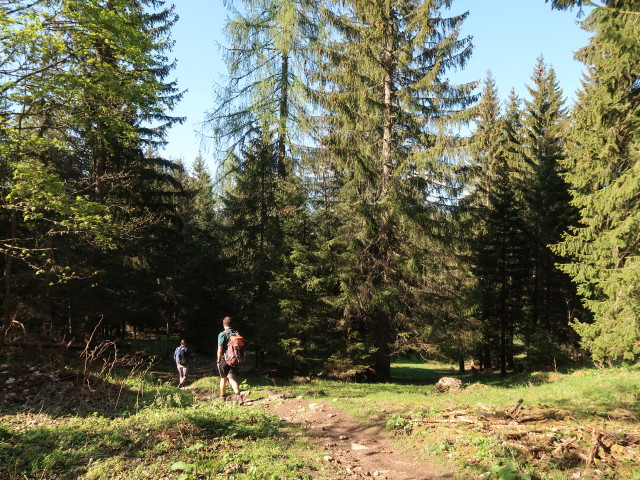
223 338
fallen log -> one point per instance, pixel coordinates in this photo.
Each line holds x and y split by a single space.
517 446
490 416
515 409
532 451
536 416
564 446
452 420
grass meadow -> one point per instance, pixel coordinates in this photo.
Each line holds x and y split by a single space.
121 425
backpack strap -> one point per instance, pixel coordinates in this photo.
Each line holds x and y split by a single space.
229 333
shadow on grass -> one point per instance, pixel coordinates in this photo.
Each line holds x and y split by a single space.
64 393
428 374
64 448
418 374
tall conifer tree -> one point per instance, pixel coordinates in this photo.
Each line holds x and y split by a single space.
201 272
253 237
386 98
260 118
603 170
498 242
551 299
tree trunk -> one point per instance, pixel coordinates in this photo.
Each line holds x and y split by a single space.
8 294
284 113
387 132
168 335
47 302
383 357
461 368
503 308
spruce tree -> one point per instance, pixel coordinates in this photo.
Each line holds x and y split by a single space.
386 98
497 227
201 271
259 118
252 239
601 252
551 302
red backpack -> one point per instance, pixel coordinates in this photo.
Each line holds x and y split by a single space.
235 354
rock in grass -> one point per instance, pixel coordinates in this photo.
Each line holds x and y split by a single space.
448 383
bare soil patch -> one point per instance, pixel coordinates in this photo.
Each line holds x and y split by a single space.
360 450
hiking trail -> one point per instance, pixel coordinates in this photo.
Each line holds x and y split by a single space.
361 451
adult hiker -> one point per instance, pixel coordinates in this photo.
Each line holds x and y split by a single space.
229 358
181 356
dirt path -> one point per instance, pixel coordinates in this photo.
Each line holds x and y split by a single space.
361 450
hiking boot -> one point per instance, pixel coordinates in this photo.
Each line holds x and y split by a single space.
239 399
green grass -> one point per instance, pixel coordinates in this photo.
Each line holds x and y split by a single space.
417 371
206 440
157 431
585 399
580 391
141 427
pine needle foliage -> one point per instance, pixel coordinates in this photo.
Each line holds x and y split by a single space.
259 122
601 254
496 227
550 296
385 105
263 93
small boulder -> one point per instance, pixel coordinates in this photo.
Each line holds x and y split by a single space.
448 383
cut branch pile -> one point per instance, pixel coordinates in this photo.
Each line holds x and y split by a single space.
543 434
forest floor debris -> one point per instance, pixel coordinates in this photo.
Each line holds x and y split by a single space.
546 438
55 390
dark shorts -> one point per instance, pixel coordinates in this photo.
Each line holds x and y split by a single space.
225 370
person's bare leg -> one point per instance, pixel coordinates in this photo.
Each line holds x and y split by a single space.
236 389
234 385
223 387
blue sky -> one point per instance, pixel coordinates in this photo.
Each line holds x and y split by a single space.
508 37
